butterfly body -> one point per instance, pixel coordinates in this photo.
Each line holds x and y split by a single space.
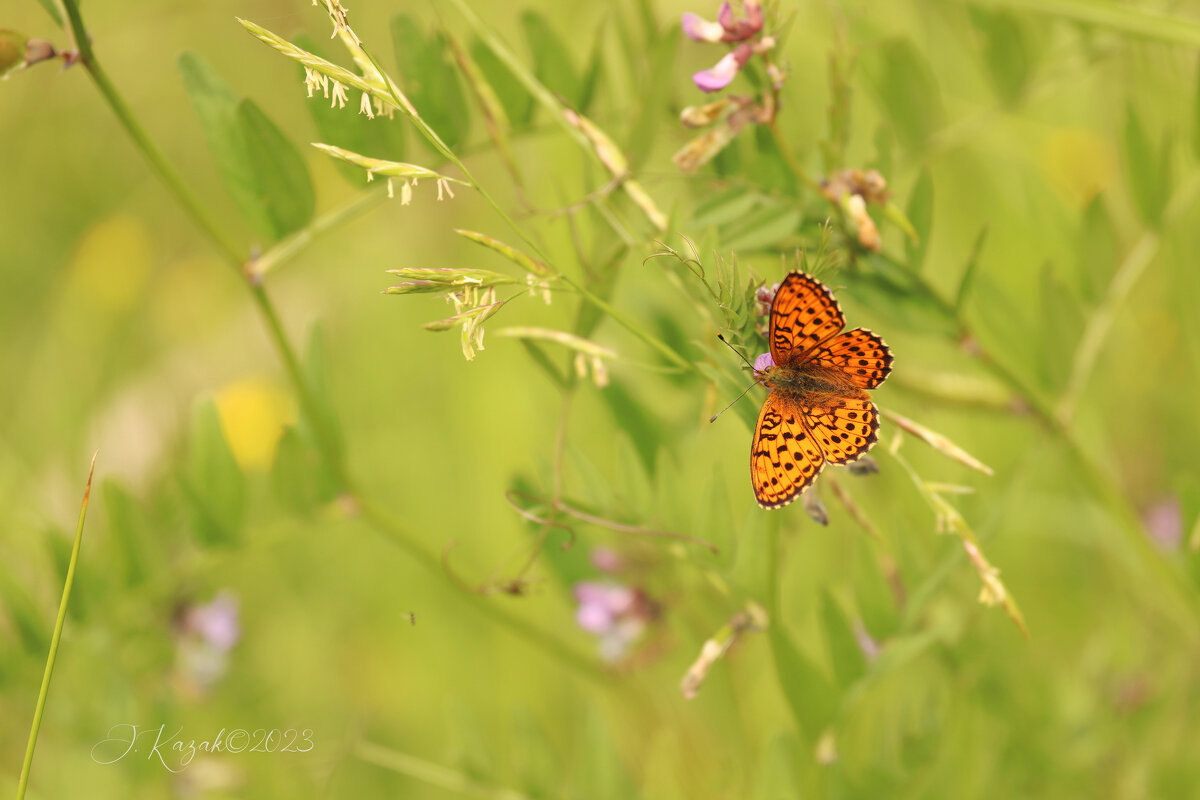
810 382
818 410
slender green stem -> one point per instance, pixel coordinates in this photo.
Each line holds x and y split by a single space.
387 525
1121 17
23 783
287 249
1130 270
436 141
1101 483
455 781
174 182
327 442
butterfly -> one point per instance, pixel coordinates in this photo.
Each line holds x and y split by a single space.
818 410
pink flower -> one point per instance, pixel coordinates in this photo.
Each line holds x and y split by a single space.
205 635
724 71
614 613
1164 523
703 30
606 559
763 362
726 28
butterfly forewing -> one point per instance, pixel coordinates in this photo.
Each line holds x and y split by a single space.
784 459
860 354
803 314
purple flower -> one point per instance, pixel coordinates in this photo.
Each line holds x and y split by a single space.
726 28
703 30
763 362
724 71
205 634
1164 523
215 623
606 559
614 613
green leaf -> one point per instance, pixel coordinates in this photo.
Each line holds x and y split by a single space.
513 96
1148 170
262 171
212 483
725 207
380 137
31 625
637 420
769 168
1063 320
651 100
552 60
967 282
127 533
316 371
777 775
1097 251
591 76
300 477
812 697
283 187
428 77
920 213
907 91
764 228
848 662
715 523
601 772
898 302
52 9
1196 114
532 754
1009 51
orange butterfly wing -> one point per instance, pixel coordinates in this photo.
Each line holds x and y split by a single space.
845 431
784 458
803 314
860 354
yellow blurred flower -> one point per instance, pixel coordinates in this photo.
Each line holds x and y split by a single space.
112 263
1078 164
253 413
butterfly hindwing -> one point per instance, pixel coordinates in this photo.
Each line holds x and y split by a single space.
803 314
860 354
784 459
844 431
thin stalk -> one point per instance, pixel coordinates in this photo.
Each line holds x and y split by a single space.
174 182
326 440
1131 269
455 781
1101 483
436 141
286 250
23 783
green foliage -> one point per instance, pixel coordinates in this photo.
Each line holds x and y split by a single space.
380 137
262 169
212 483
1148 166
396 526
427 75
907 91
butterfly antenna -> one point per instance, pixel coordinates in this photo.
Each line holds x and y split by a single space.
734 349
713 418
748 388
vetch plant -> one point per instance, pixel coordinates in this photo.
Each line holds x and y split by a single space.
604 274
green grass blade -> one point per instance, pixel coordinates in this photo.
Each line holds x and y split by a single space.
58 629
1119 17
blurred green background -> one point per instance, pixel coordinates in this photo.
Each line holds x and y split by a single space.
1047 151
